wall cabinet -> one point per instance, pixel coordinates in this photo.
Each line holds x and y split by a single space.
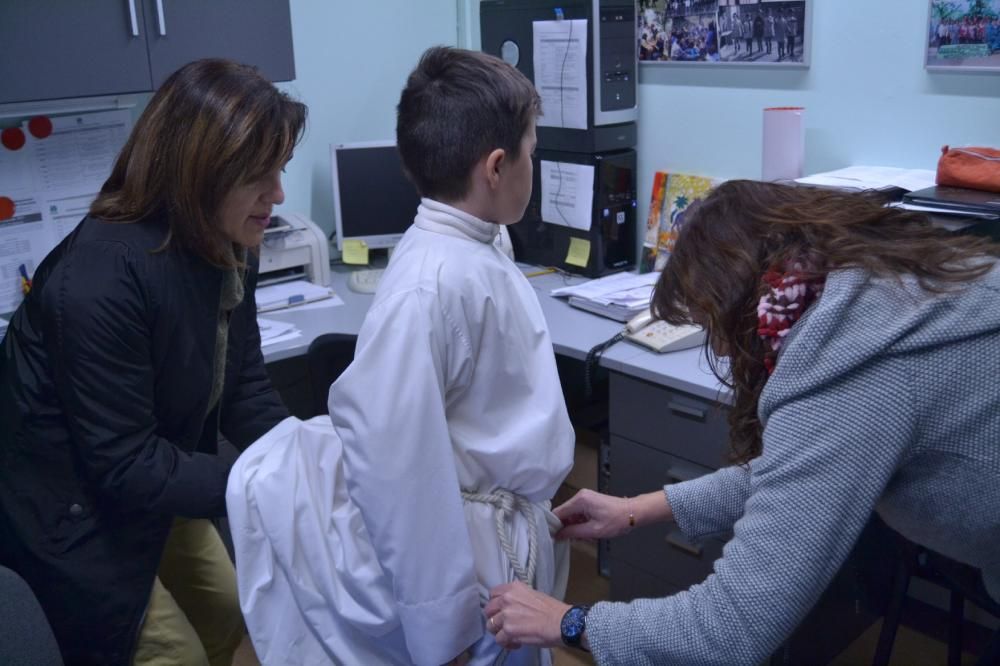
66 48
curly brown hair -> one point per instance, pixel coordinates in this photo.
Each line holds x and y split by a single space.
743 228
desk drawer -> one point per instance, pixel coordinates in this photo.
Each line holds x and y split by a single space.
660 550
671 421
629 582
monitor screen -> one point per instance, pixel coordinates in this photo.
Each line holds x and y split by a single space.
372 199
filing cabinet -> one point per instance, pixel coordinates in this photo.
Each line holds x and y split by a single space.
659 436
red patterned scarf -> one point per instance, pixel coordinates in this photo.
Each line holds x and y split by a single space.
789 294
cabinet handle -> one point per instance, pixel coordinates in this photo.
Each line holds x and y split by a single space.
680 543
161 18
132 18
678 408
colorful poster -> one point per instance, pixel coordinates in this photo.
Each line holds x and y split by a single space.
673 194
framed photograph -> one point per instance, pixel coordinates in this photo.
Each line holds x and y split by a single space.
963 35
729 32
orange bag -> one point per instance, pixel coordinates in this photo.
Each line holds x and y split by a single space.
975 168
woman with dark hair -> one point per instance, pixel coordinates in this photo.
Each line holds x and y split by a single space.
863 362
136 346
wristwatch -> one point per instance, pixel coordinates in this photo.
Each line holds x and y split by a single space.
573 624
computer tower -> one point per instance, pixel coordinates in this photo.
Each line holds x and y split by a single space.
611 236
604 138
507 29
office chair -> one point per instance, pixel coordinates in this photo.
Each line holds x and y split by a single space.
327 357
26 639
962 581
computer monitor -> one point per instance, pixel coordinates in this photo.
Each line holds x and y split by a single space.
373 201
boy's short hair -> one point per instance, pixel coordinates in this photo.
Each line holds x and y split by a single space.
457 106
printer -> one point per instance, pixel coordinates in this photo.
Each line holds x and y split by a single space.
294 248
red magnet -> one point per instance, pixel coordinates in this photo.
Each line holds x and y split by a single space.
40 127
12 138
6 208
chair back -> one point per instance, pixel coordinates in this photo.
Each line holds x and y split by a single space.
328 356
26 639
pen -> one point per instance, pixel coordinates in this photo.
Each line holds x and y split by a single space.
25 280
541 272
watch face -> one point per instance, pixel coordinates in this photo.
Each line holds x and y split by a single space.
573 624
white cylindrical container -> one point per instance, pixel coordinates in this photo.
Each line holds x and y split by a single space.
784 144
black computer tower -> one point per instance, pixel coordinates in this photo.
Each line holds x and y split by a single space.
607 142
506 27
612 233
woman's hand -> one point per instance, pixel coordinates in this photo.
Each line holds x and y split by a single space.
518 615
591 515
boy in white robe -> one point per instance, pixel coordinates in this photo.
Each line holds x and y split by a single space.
452 418
376 539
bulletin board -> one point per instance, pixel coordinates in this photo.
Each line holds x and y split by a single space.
51 169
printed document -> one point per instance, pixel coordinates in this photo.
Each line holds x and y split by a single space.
568 194
560 50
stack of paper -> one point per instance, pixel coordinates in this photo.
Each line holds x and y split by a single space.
872 178
3 327
290 294
273 332
620 296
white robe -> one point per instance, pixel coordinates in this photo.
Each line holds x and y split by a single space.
453 388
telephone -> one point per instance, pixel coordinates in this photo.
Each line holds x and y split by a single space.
660 336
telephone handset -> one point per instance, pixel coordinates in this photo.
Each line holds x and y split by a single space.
660 336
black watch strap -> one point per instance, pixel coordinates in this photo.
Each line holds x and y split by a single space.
573 624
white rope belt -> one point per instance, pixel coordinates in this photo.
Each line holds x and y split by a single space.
506 504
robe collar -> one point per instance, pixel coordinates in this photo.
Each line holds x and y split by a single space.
444 219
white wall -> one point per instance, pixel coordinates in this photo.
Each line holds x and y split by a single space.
351 61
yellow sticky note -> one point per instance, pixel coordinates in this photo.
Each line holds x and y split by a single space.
579 252
355 251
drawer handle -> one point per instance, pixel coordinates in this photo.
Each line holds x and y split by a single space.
684 410
161 18
680 543
132 18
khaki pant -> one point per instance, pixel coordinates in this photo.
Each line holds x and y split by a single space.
193 617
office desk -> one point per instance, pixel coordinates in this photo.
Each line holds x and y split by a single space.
574 332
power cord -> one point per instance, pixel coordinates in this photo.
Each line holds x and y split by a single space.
593 362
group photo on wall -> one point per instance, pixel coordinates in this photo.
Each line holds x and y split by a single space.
964 34
723 31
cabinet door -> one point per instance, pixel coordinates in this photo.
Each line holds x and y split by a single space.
68 48
255 32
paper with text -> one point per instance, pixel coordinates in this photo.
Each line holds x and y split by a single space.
25 239
78 156
568 194
560 60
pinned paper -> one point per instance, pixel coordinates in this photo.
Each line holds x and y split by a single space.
355 251
568 194
560 62
579 252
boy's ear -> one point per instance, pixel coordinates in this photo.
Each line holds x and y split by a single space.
494 162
